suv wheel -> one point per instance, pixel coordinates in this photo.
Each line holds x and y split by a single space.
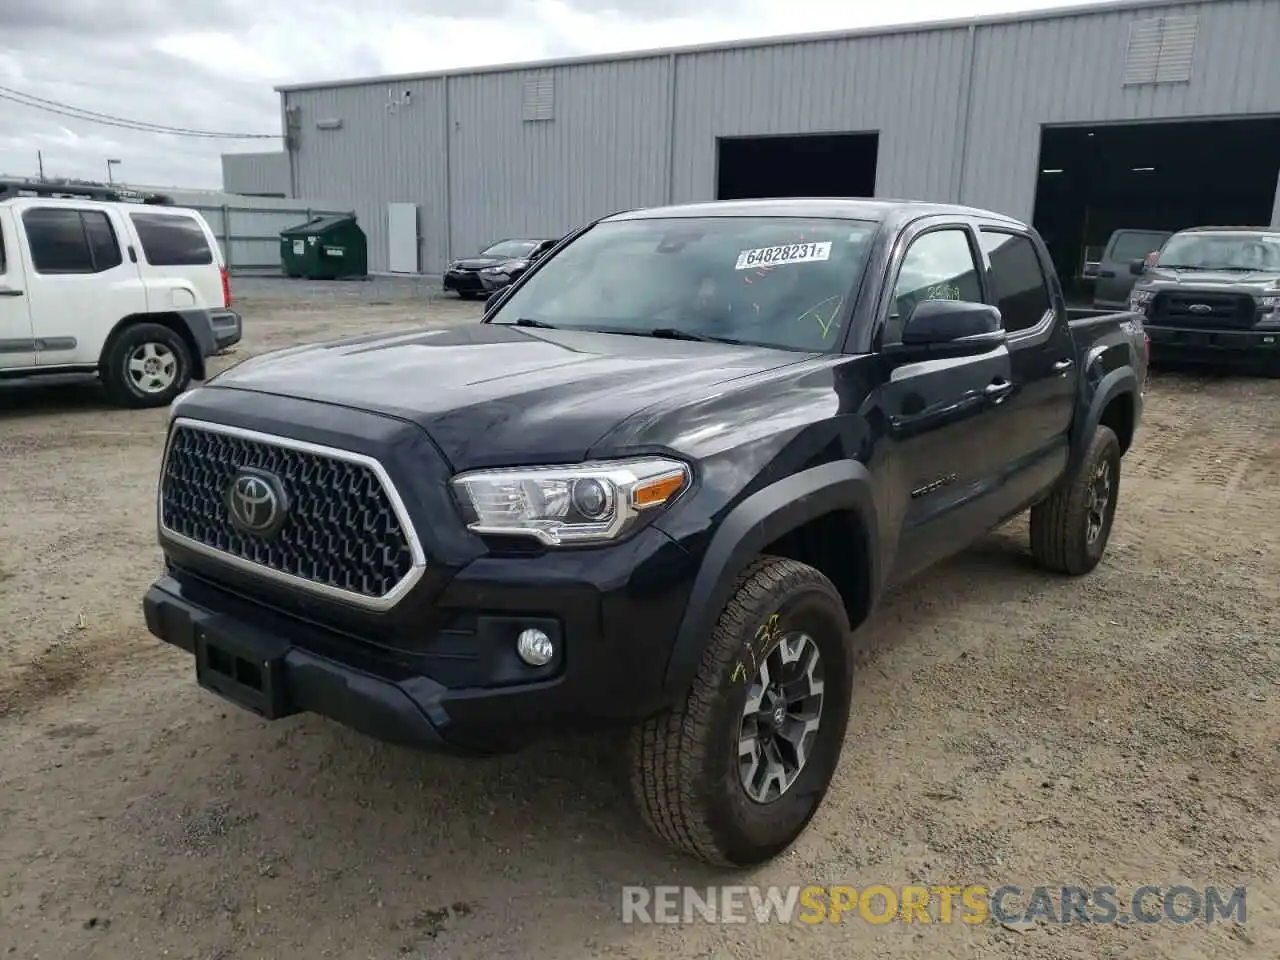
1070 530
735 773
147 365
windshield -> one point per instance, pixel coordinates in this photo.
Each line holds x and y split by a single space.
1237 250
770 281
512 249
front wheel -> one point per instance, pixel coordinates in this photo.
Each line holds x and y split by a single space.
733 775
147 365
1070 530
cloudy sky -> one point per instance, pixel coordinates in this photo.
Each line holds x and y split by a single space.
211 65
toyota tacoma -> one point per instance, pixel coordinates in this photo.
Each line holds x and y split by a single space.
661 484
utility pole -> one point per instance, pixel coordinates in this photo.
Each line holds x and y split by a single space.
40 164
110 164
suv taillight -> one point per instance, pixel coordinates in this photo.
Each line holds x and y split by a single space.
226 288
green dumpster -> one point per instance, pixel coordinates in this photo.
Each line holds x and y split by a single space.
324 248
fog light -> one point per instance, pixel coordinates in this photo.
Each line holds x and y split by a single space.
535 647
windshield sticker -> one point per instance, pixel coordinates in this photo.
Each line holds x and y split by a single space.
785 253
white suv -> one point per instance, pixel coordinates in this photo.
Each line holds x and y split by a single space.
135 292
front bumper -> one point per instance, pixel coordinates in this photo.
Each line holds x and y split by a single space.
226 327
448 677
1213 344
463 281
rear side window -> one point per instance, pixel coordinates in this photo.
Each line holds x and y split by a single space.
172 241
71 241
102 240
1018 282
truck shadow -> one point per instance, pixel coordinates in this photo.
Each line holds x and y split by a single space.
52 396
466 852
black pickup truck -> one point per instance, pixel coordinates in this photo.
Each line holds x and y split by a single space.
1213 294
661 484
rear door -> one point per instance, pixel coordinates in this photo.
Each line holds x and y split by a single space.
1114 279
1034 420
17 343
79 280
180 260
948 458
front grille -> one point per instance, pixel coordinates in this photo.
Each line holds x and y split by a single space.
1200 310
341 531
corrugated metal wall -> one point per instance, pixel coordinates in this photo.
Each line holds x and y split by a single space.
1071 70
260 174
958 111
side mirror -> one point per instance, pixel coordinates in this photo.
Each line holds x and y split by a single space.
492 300
1137 267
949 328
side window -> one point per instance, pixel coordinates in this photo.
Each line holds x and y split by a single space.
102 240
57 239
938 266
172 241
1018 283
71 241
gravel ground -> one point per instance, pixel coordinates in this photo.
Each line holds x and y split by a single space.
1012 728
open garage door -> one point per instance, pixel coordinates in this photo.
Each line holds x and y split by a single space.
812 165
1149 177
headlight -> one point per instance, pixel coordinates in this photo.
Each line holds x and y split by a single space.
585 503
1271 303
506 269
1138 299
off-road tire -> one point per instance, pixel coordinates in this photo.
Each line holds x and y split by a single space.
684 764
1060 524
114 368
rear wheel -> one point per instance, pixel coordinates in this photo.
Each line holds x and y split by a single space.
1070 530
146 365
734 774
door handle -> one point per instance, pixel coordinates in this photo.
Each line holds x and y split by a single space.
997 390
1062 366
9 292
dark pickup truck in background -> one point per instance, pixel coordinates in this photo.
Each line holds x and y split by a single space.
1213 294
661 484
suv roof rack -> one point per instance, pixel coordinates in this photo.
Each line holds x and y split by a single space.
79 191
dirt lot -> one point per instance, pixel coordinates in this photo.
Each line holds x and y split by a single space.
1013 728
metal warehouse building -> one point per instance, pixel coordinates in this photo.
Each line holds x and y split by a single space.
1086 119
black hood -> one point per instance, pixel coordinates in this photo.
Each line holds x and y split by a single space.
491 394
479 263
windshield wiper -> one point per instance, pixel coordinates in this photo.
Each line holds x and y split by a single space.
541 324
672 333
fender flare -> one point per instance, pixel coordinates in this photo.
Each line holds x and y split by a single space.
194 326
1117 382
752 525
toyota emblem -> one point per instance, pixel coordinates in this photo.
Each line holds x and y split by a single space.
256 503
1200 308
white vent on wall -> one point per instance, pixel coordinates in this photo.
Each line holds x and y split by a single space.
1160 50
539 97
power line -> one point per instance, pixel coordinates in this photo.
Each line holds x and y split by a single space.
142 126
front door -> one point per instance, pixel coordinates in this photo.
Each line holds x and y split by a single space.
947 457
17 344
1111 292
402 237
